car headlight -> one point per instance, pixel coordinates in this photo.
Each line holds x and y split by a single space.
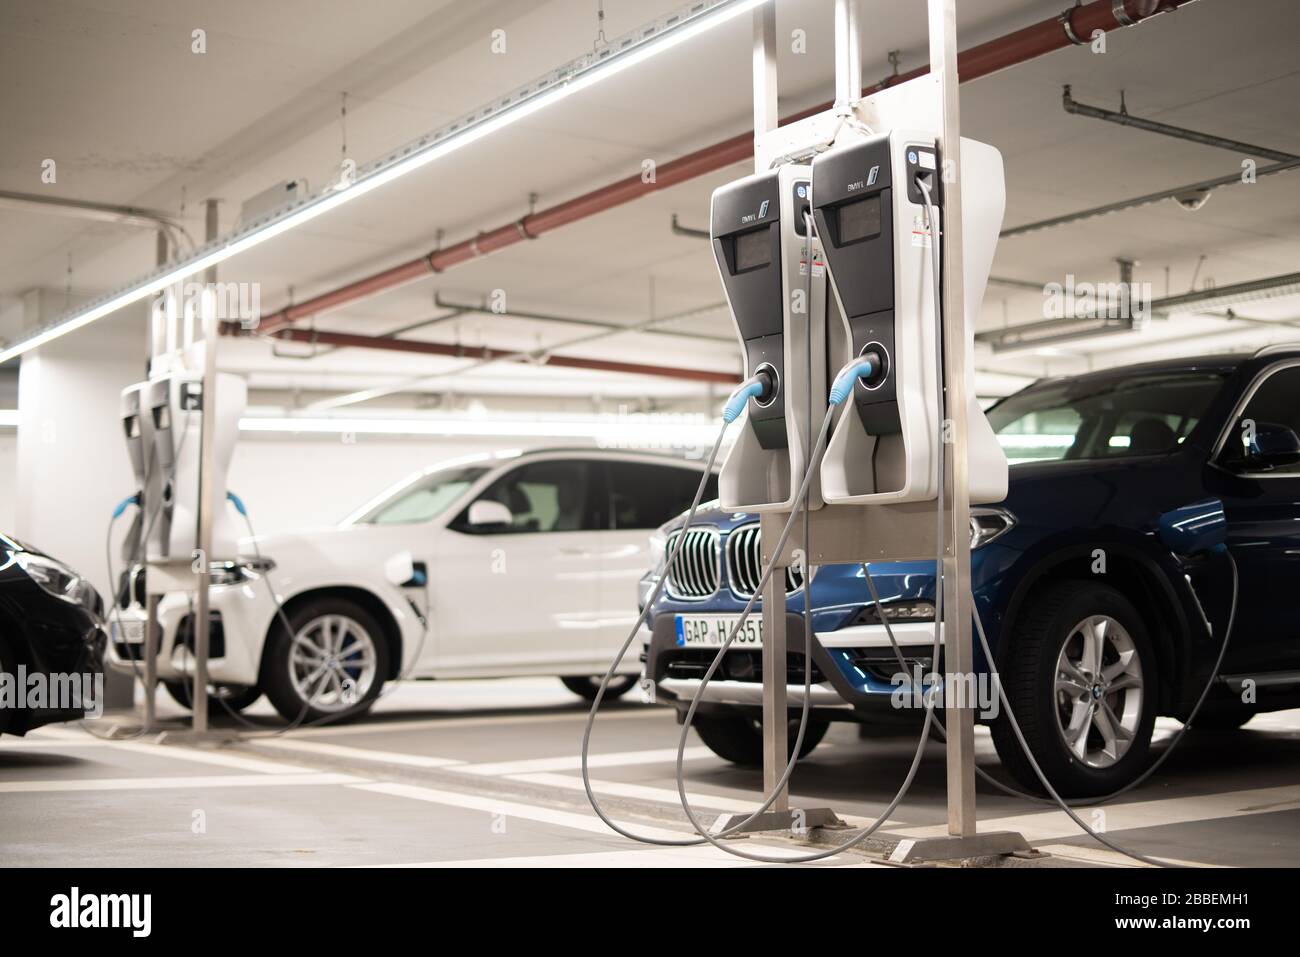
658 552
57 579
232 573
986 524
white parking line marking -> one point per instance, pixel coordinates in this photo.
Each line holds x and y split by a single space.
573 762
437 722
527 812
199 781
670 796
222 759
1095 854
639 858
637 791
1054 825
218 758
33 743
358 754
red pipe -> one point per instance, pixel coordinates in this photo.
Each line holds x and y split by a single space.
1075 26
350 340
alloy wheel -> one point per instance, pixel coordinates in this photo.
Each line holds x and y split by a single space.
332 663
1099 691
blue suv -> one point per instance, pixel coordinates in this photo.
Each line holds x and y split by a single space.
1098 580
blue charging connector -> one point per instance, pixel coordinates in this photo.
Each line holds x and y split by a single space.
754 387
236 501
861 369
123 505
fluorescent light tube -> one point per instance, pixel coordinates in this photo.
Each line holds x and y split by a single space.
585 72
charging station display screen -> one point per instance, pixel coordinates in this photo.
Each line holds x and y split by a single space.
859 220
753 249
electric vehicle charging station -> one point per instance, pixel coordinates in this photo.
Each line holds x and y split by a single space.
137 426
177 416
775 283
907 335
872 215
181 426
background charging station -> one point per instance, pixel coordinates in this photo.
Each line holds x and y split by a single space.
181 426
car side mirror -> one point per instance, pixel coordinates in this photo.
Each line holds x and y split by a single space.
1271 446
487 512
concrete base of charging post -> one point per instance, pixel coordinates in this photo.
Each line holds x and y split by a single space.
972 847
794 820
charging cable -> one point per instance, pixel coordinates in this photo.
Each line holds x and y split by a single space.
863 367
731 412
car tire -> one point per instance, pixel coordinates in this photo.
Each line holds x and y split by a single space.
586 687
739 739
344 683
1070 724
1223 717
222 699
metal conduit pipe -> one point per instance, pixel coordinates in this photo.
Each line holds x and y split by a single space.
1124 118
1073 27
350 340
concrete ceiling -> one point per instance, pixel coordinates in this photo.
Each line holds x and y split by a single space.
113 93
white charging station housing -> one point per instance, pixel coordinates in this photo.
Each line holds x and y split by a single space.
137 426
175 407
774 288
871 219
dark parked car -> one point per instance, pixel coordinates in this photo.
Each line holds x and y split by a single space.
1101 579
51 640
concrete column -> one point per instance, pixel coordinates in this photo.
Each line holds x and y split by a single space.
72 466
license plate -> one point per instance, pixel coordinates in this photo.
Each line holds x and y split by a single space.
710 631
129 631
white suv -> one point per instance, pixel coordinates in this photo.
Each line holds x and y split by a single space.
511 564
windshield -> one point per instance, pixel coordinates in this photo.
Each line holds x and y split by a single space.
1102 419
420 500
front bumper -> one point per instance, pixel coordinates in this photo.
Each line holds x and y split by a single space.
236 635
65 645
854 670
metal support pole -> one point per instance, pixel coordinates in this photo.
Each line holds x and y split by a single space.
202 622
848 61
151 627
958 649
775 711
765 77
776 714
151 662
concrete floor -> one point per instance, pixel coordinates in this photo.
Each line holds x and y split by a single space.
483 773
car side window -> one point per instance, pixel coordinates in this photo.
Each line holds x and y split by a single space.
548 496
644 496
1275 402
